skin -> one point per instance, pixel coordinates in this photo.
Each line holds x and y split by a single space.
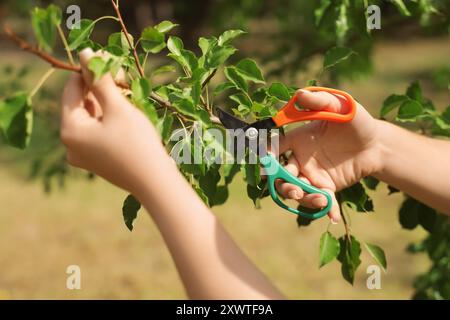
105 134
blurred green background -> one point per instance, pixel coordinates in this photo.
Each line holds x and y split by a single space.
80 222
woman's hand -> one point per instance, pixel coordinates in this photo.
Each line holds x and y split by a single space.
104 133
331 156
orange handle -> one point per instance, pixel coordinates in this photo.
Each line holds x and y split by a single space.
290 113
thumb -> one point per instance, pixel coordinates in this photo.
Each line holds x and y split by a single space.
105 90
321 100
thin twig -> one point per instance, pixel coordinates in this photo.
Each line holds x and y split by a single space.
344 219
209 78
66 45
127 36
54 62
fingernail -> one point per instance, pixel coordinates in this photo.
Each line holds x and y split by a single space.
302 91
293 194
319 201
86 51
334 221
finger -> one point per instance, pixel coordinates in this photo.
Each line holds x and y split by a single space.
279 144
72 101
73 93
314 201
105 90
92 106
321 100
289 190
319 201
335 213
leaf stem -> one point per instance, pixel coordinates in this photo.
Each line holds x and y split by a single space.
344 219
41 82
66 45
208 79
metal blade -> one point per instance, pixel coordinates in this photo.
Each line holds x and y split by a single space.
229 121
263 124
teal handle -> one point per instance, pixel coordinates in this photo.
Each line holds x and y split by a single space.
277 171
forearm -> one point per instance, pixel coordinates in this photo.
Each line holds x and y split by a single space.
417 165
210 264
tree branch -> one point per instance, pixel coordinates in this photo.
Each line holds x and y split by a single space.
127 36
59 64
54 62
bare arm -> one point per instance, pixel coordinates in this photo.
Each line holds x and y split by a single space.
417 165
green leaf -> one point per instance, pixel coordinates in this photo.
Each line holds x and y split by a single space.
102 65
378 254
208 183
336 55
320 11
371 182
229 36
236 78
119 40
241 99
185 58
186 107
257 107
255 194
349 256
279 91
202 195
356 198
221 195
409 110
175 45
446 115
218 55
130 209
163 69
165 26
301 221
149 110
16 120
79 35
329 248
392 102
415 92
252 174
409 214
164 127
44 22
141 89
342 23
427 217
207 44
250 71
229 172
224 86
401 7
152 40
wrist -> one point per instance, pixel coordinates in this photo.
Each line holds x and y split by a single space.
387 143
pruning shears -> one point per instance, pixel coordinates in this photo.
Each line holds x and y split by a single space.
290 113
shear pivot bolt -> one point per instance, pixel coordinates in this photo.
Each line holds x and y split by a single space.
251 133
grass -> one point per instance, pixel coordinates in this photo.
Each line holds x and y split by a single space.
41 235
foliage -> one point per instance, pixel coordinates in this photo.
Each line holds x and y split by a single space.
335 29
